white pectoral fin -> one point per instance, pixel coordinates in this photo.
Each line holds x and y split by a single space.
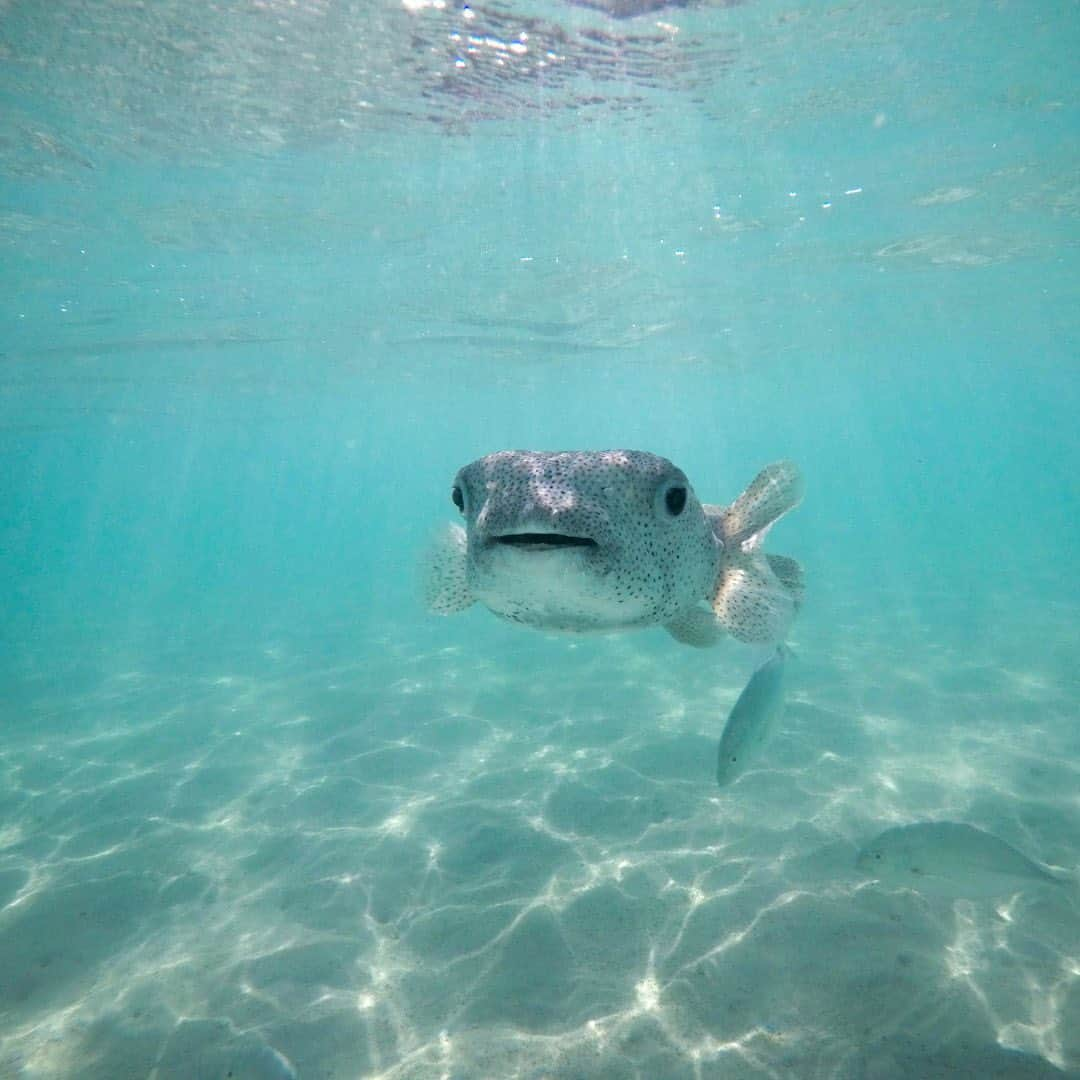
751 602
443 572
695 626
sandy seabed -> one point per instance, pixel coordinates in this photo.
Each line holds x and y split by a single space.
453 849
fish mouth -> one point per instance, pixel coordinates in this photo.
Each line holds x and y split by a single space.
543 541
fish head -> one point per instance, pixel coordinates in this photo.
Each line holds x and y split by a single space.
583 540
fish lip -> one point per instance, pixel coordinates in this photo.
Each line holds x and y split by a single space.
534 540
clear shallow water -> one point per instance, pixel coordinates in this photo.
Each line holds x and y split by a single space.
270 276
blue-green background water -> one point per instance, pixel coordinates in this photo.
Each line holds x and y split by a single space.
271 274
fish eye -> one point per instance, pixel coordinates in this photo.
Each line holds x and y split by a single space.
675 500
670 495
459 498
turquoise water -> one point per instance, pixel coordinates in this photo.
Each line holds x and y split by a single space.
272 273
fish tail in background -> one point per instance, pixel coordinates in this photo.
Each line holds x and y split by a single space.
760 655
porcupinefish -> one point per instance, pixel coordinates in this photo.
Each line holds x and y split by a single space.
953 860
611 540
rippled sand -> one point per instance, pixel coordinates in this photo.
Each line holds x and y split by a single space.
454 849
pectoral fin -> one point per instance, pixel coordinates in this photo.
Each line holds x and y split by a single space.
445 584
752 602
775 490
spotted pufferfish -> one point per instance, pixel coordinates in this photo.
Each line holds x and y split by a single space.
611 540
